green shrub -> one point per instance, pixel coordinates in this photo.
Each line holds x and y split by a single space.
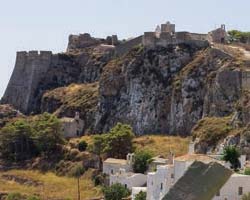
239 36
142 160
99 179
14 196
33 198
141 196
115 192
231 154
247 171
82 145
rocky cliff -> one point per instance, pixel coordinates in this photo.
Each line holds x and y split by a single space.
157 90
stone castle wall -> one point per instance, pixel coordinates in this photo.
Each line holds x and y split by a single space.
127 46
29 69
166 38
245 84
82 41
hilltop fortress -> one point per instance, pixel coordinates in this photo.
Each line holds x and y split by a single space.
166 35
36 72
163 35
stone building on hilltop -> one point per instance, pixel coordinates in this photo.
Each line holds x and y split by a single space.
72 127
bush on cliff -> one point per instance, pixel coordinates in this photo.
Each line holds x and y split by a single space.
212 129
82 145
116 144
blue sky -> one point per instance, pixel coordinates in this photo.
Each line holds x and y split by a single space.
45 25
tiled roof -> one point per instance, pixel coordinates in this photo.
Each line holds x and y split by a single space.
200 182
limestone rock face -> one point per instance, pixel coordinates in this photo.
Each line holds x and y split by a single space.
166 90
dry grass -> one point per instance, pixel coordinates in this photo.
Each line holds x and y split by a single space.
53 187
212 129
161 145
82 97
157 144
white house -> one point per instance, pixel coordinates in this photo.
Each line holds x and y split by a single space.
159 182
112 166
235 187
128 179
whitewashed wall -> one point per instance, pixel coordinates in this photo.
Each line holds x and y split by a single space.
230 191
159 182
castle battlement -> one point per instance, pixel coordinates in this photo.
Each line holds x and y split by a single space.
166 34
33 53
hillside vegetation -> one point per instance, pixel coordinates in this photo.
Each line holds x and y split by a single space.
157 144
47 185
213 129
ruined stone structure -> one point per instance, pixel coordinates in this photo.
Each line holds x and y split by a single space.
245 80
29 69
72 127
166 35
219 35
78 42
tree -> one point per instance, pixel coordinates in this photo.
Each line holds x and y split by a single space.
26 137
15 140
231 154
115 192
141 196
142 160
77 172
239 36
246 196
117 143
48 134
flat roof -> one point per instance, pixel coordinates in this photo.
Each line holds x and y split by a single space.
197 157
116 161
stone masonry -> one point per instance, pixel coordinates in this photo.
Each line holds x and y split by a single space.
29 69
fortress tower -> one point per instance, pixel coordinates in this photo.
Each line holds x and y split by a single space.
29 69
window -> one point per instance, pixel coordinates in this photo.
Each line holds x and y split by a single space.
161 186
172 175
112 171
126 186
240 191
218 194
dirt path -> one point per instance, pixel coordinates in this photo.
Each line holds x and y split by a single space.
245 53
